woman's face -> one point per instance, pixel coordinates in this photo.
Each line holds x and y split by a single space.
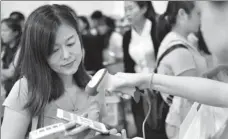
214 26
7 34
133 12
67 53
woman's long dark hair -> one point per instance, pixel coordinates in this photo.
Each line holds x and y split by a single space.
150 13
44 85
202 44
168 19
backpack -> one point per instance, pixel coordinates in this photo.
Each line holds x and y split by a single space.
159 107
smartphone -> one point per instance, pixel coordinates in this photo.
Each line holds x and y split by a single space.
48 132
68 116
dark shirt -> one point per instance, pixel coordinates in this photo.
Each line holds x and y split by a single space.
93 46
8 56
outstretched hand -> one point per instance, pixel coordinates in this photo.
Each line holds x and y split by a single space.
130 80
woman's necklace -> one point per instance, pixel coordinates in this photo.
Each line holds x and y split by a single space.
68 98
68 92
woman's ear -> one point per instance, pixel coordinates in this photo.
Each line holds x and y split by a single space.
144 10
182 15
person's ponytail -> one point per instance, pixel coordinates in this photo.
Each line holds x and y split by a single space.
163 27
150 13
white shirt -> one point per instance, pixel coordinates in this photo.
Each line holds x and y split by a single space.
141 49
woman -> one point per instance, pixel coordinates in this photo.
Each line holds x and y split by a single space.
140 48
51 76
112 43
179 21
10 35
205 91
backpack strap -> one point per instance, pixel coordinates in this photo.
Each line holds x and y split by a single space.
176 46
170 50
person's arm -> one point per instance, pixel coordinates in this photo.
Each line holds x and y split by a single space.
8 73
198 89
14 125
16 119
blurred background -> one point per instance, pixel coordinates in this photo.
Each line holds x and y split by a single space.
112 8
102 25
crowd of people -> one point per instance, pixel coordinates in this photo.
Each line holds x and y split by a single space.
177 60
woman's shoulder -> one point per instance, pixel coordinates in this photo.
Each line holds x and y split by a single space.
22 83
170 40
19 90
18 96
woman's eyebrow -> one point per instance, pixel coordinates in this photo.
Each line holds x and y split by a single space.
70 37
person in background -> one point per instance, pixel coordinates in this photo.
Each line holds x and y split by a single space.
10 36
112 40
140 48
84 26
57 80
96 17
18 16
93 46
115 41
180 19
211 92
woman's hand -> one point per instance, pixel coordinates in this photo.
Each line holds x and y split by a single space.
113 131
72 129
77 131
131 80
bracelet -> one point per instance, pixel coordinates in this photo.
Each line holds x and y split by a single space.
151 81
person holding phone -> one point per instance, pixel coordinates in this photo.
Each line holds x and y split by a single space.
51 75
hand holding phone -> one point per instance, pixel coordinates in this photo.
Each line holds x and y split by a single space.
82 121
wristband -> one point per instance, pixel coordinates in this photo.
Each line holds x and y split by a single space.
151 81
